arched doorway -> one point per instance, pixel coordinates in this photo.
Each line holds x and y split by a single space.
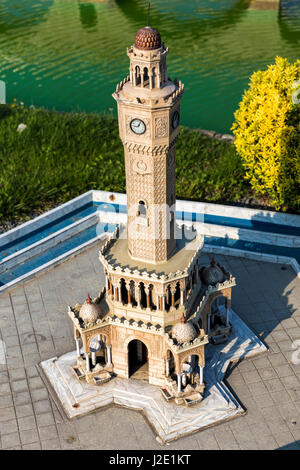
171 365
216 318
138 360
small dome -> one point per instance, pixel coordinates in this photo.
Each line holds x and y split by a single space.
90 312
184 331
212 274
147 39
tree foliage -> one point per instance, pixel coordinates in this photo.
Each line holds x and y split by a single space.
267 131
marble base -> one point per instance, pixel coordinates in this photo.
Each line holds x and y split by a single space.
170 421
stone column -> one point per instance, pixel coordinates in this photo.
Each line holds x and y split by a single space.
147 289
167 367
158 80
173 298
117 298
77 340
87 362
106 283
163 302
108 350
150 79
201 375
93 358
128 292
138 296
181 296
179 382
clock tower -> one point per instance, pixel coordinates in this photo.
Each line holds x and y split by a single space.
156 311
149 114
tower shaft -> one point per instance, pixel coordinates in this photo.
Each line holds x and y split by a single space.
149 111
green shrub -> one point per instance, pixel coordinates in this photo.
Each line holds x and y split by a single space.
267 130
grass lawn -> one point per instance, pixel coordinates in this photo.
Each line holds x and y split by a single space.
59 156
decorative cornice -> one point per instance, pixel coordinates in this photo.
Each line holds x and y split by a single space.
148 149
144 274
138 326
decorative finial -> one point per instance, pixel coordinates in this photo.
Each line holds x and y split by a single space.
148 15
183 318
88 300
212 262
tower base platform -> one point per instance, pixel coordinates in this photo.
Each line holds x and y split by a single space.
168 420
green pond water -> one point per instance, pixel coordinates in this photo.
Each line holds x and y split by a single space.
69 55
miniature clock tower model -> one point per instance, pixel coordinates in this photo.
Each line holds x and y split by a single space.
149 113
158 308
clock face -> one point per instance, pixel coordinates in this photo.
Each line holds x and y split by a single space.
175 119
138 126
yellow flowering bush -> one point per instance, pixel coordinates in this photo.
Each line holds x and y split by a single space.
267 131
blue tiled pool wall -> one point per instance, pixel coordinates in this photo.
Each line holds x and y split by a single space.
254 246
46 230
91 232
248 224
55 252
91 207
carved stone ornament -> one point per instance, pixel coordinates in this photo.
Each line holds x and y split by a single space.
140 166
161 127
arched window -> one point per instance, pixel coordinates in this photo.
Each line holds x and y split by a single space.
124 293
143 296
146 78
137 75
142 211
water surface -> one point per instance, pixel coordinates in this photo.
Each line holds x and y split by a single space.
69 55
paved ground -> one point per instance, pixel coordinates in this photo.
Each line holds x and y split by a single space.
34 326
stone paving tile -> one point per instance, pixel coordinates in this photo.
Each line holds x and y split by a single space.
29 436
6 401
32 446
226 439
267 373
10 440
251 377
26 423
49 432
274 385
24 410
207 441
264 400
51 444
268 300
42 406
45 419
7 414
7 427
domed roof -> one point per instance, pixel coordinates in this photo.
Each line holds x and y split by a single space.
184 331
147 38
212 274
90 312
